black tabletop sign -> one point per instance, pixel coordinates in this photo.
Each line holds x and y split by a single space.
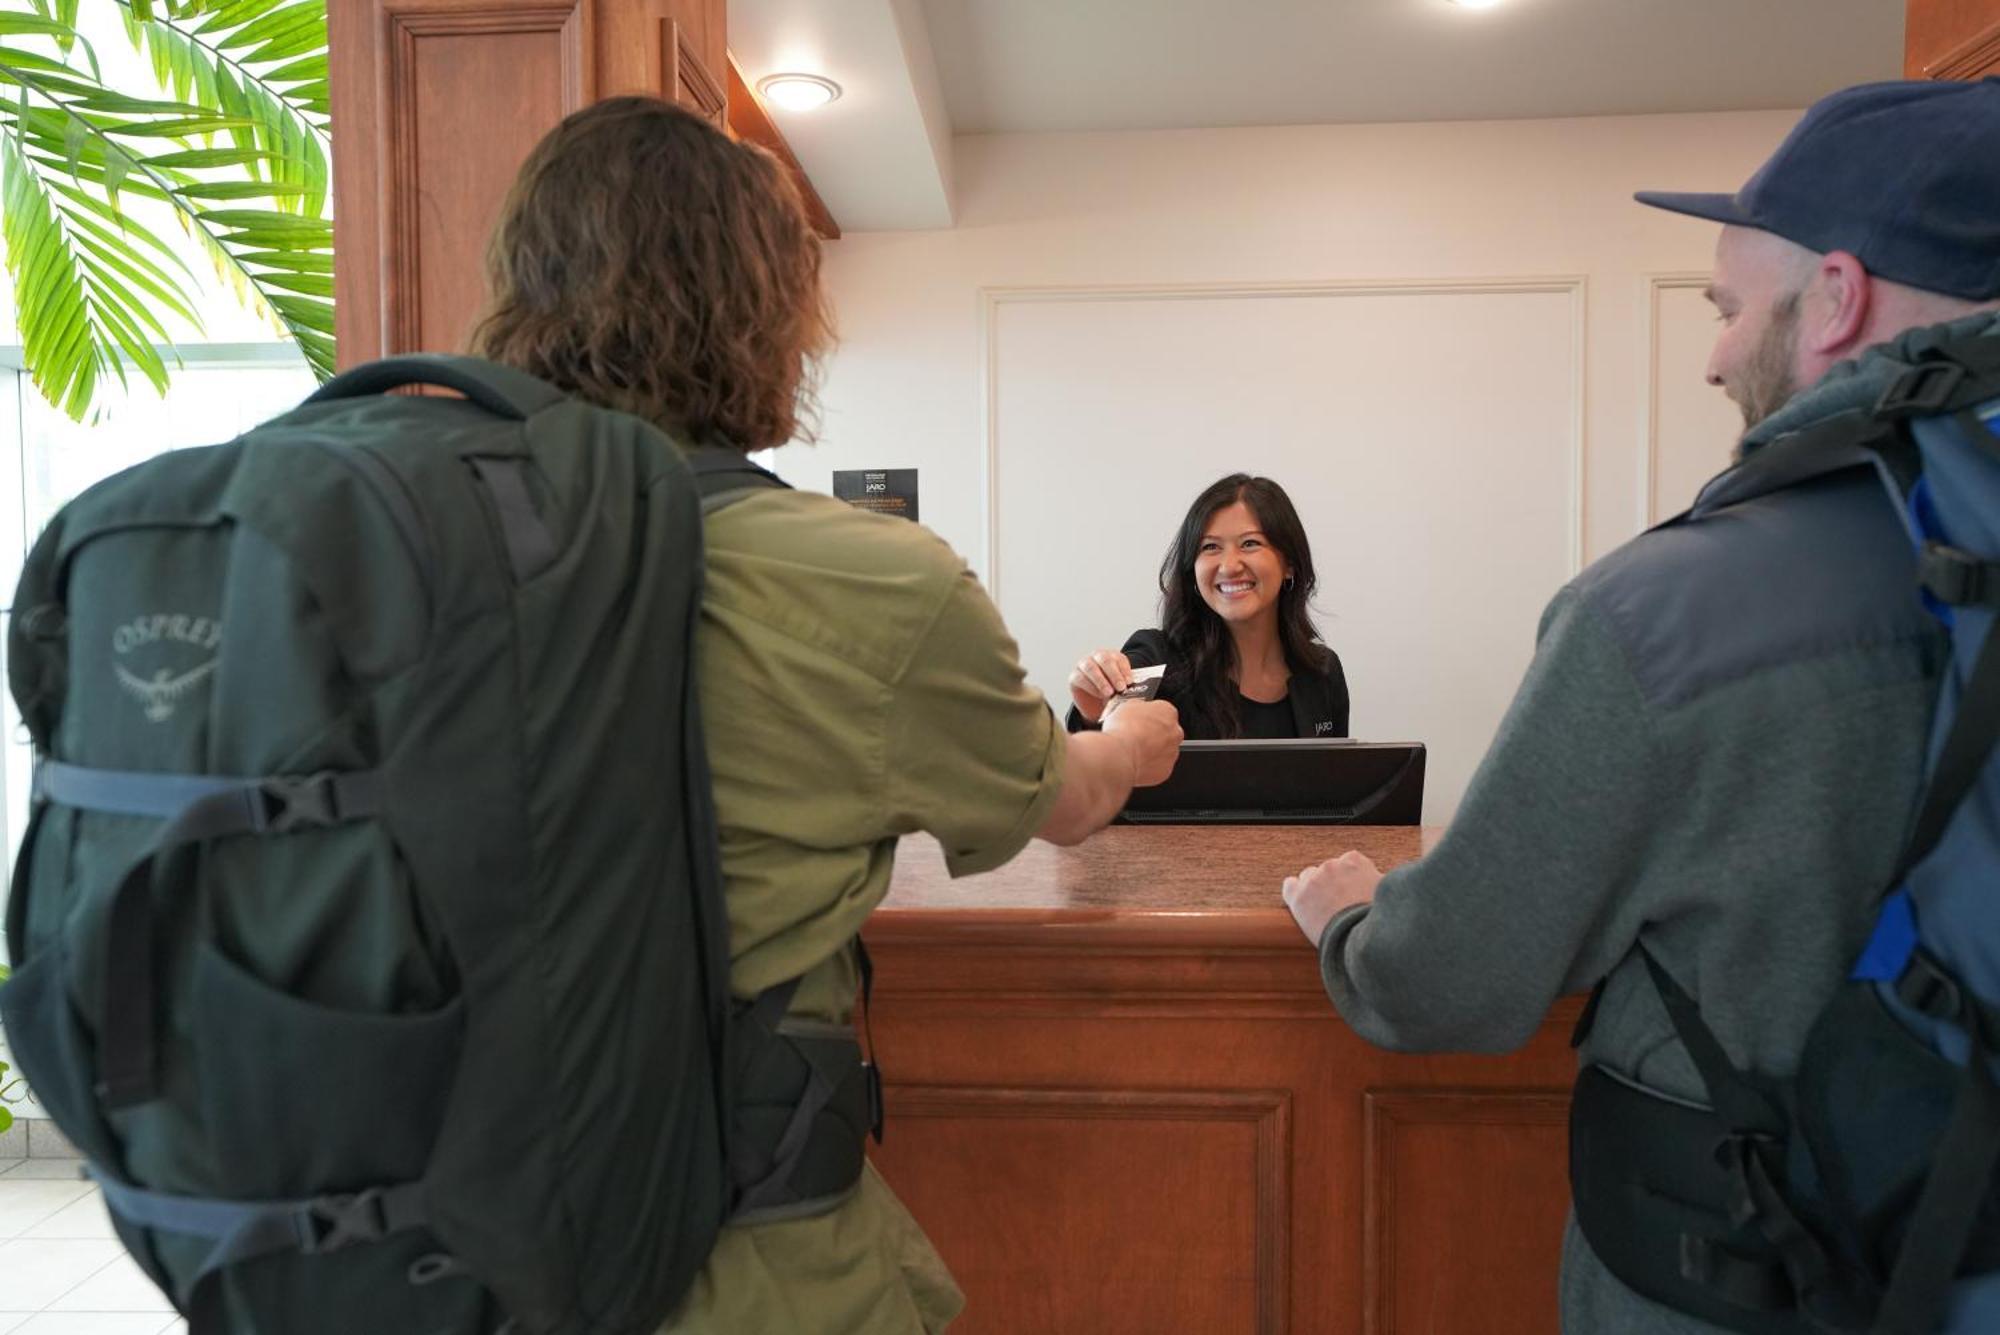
888 491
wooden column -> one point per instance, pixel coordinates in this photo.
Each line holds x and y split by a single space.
1951 39
435 105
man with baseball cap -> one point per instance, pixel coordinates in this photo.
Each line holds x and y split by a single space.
1710 767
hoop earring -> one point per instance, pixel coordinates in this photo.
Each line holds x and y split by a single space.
1289 579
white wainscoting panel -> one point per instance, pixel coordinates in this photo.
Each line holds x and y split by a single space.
1429 433
1691 425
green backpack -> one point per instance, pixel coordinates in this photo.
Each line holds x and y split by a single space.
369 926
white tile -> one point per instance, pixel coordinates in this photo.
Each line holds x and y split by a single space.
82 1218
34 1272
90 1323
9 1320
119 1287
54 1170
25 1202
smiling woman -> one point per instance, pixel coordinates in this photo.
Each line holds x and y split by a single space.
1242 656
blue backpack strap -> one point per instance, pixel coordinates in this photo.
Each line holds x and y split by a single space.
245 1230
1950 380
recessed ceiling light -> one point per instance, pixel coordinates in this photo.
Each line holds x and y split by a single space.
798 92
1475 4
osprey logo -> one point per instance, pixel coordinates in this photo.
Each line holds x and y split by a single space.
162 690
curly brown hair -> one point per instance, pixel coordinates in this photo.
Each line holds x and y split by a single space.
645 261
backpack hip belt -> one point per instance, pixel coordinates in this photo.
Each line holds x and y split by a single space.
806 1101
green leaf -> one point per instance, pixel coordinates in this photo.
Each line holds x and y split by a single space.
11 24
92 174
239 190
303 261
311 39
265 220
136 346
235 14
122 104
51 298
119 248
303 310
13 57
311 284
253 72
111 276
263 240
312 68
116 217
179 127
282 22
208 157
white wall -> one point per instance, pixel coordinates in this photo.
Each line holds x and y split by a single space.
1471 358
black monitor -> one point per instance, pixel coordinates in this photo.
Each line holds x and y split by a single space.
1293 781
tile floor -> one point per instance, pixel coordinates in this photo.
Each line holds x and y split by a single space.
61 1271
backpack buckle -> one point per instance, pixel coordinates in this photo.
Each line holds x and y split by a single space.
333 1222
1950 575
294 802
1928 989
1925 388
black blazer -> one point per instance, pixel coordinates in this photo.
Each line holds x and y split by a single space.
1318 699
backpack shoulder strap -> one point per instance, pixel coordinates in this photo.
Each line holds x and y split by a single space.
725 476
1846 440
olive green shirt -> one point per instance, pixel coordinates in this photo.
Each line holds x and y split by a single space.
857 684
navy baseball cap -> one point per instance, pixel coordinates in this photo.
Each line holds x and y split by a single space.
1903 176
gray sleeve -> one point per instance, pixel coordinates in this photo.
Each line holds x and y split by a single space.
1520 902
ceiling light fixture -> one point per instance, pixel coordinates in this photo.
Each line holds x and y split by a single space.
1475 4
798 92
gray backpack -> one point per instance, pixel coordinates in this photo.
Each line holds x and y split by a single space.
369 927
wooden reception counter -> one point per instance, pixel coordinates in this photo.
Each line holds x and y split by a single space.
1119 1101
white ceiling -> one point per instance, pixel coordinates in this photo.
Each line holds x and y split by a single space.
919 71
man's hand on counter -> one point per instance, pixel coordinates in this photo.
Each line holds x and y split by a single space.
1318 895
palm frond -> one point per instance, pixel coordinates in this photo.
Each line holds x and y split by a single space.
78 290
233 139
263 61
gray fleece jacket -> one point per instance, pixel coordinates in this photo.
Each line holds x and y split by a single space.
1717 747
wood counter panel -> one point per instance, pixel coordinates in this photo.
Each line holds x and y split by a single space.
1119 1101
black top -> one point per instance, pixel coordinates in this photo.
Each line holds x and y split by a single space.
1315 704
1261 719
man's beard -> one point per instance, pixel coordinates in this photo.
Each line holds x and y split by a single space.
1767 384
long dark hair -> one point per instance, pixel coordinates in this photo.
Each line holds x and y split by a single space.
1203 647
645 261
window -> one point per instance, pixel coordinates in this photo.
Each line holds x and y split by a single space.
221 390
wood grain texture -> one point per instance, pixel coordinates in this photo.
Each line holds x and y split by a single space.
1208 1169
689 82
1096 1056
1451 1177
437 103
1951 39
